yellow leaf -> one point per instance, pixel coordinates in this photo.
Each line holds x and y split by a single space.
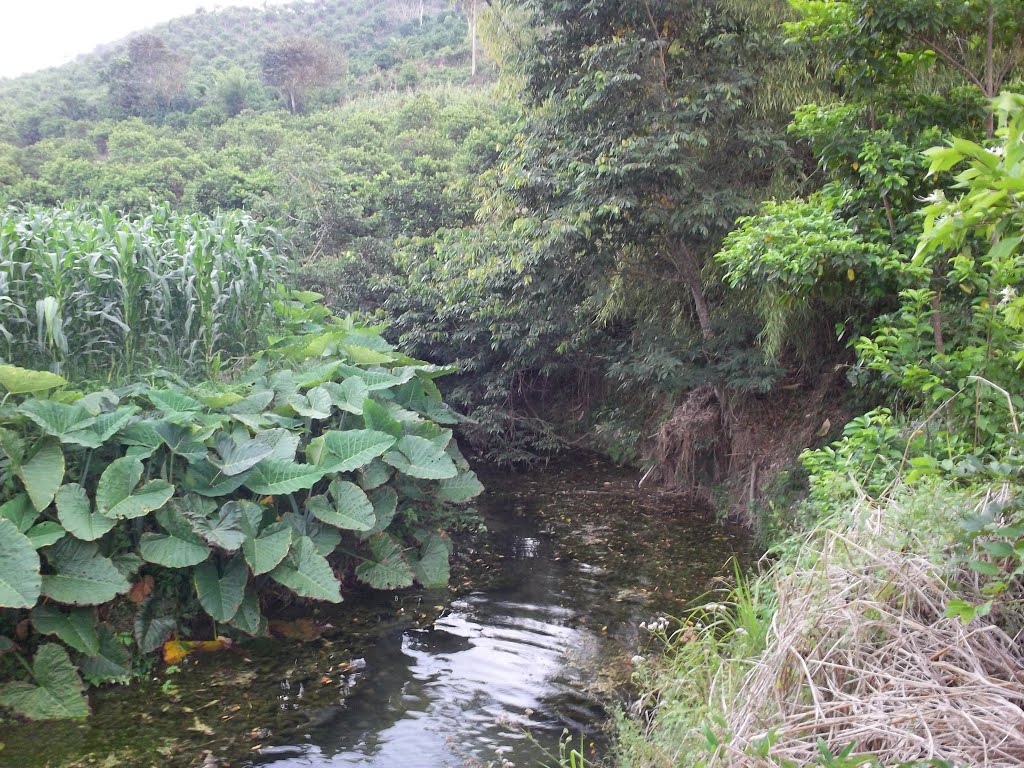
851 275
176 650
855 166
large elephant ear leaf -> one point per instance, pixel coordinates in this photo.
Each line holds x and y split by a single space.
152 628
117 496
459 490
172 402
179 440
11 446
76 627
275 478
249 618
224 529
206 480
179 547
348 508
349 395
385 505
43 474
22 381
421 458
68 423
57 694
220 593
387 568
431 567
352 449
233 458
82 576
76 515
306 573
112 663
315 404
265 549
377 417
20 581
20 511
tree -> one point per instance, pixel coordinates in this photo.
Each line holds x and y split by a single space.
297 65
643 140
234 90
146 79
883 41
472 10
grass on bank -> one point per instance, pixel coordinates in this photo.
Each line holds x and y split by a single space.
840 655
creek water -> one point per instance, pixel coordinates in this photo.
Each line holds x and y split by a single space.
533 639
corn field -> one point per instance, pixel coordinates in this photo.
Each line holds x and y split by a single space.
91 293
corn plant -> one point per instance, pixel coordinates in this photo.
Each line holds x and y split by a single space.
88 293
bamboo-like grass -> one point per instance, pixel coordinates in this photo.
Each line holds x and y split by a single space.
89 293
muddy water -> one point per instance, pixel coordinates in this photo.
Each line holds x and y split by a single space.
533 638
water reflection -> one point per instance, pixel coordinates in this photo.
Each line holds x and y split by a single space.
466 690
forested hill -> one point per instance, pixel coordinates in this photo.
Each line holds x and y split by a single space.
223 61
347 122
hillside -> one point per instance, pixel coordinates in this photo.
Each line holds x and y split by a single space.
343 120
375 47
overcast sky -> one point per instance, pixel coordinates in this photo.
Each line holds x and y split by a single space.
44 33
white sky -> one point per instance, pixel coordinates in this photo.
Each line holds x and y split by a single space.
35 34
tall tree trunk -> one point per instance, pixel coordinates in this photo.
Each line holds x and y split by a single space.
688 268
472 35
990 68
421 13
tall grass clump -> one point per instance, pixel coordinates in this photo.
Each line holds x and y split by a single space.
855 659
89 293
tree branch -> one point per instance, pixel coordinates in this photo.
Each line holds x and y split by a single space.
952 60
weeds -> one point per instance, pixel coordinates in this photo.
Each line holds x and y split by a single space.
839 656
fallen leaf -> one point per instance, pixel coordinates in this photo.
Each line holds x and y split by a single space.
141 589
200 727
176 650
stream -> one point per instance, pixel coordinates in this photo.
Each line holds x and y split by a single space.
534 637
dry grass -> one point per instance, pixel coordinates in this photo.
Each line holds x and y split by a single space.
859 653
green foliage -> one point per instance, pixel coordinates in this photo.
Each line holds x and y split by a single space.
794 258
875 42
57 693
958 328
91 293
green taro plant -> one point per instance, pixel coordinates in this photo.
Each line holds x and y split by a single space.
326 464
